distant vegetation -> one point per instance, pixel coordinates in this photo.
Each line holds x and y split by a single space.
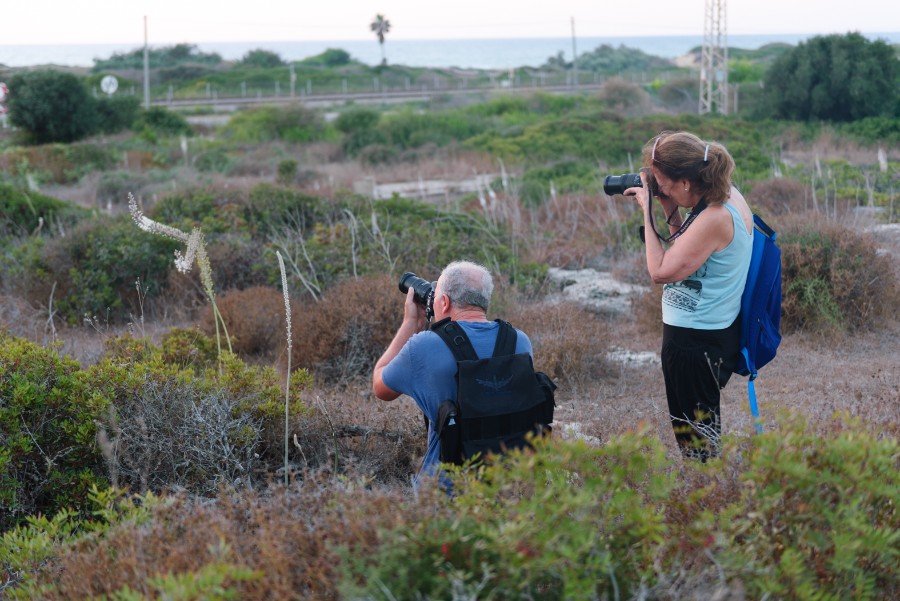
170 56
834 78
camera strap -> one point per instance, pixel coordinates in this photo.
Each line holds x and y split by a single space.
684 226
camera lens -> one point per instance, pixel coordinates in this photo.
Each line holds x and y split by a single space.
423 288
617 184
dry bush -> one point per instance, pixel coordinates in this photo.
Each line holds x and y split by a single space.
349 431
834 278
628 98
779 196
254 318
570 343
21 319
179 434
290 539
567 230
341 336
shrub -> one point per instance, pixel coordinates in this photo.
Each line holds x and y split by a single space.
569 522
166 433
625 97
21 212
570 343
778 196
816 518
48 418
215 160
267 124
117 113
164 122
254 318
336 340
332 57
179 419
286 172
51 106
264 59
834 278
835 78
357 119
97 264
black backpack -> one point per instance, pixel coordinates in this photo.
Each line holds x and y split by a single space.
499 400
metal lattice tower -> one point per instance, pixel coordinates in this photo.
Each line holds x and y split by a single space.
714 60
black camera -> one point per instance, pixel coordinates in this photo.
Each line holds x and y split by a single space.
423 291
617 184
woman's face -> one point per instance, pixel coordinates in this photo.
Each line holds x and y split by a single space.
678 191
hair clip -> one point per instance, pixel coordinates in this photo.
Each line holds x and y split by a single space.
653 152
706 154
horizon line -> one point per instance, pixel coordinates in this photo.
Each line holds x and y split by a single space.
462 39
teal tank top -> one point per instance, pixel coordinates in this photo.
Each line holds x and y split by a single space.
710 298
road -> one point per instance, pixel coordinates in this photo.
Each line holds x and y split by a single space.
232 102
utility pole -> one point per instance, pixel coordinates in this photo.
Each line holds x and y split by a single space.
146 68
714 60
574 57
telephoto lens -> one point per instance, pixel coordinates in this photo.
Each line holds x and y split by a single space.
617 184
423 291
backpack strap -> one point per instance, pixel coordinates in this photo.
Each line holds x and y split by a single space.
506 339
456 339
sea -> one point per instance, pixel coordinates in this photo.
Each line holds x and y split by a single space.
469 53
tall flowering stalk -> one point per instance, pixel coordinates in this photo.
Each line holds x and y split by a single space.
194 251
287 384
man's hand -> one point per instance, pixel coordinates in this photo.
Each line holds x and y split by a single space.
414 312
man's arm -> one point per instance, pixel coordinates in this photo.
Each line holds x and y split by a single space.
413 321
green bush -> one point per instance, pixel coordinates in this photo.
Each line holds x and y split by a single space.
267 124
51 106
259 58
332 57
167 56
145 417
569 522
48 421
214 160
22 211
357 119
834 78
164 122
816 519
117 113
97 264
286 172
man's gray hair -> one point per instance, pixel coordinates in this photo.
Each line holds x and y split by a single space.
468 284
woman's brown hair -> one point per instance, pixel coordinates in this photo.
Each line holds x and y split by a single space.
682 155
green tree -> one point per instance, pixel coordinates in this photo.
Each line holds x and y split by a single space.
51 106
834 78
381 26
262 58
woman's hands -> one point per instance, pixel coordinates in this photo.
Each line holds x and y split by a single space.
643 198
642 194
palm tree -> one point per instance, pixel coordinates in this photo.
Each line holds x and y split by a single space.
381 26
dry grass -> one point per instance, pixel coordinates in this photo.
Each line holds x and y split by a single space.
290 537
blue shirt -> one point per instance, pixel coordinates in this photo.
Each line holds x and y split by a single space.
710 298
425 369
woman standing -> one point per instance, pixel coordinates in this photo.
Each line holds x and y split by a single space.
703 267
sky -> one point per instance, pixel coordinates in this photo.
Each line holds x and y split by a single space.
198 21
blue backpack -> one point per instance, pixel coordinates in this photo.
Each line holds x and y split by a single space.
760 310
